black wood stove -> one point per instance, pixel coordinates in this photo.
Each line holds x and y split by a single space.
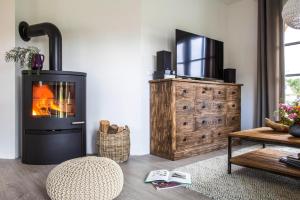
53 105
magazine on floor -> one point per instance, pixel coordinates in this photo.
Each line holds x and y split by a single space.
168 176
162 185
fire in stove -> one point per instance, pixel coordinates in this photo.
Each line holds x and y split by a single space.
53 99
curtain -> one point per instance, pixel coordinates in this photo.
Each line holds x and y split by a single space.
270 59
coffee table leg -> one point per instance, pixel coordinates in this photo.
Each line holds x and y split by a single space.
229 155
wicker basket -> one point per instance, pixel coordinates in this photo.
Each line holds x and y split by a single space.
114 146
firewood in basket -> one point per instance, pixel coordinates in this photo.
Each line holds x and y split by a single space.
113 129
121 129
104 126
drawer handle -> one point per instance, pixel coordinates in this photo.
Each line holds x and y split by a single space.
185 123
203 136
233 118
185 107
184 91
203 107
219 92
233 93
233 105
203 121
184 139
219 106
219 120
219 134
203 92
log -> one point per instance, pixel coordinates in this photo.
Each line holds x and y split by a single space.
113 129
121 129
104 126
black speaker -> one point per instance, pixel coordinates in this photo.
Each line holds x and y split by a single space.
229 75
163 60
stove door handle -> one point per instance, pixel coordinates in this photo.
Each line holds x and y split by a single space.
77 123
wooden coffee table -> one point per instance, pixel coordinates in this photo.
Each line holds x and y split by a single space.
264 159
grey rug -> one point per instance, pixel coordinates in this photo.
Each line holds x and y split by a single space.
209 177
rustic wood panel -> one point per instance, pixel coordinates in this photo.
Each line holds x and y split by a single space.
192 117
266 159
161 117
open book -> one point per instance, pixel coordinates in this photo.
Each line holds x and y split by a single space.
168 176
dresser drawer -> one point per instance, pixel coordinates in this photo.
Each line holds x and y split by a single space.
193 139
218 107
184 106
233 107
233 120
185 91
209 121
203 106
204 92
233 93
219 93
185 123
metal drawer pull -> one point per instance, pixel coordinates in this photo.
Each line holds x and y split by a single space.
77 123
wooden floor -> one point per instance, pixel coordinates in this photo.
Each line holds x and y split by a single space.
27 182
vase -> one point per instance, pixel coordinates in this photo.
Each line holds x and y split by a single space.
294 130
37 61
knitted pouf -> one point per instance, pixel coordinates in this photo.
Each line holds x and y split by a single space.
85 178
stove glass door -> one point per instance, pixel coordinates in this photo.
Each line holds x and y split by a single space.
55 99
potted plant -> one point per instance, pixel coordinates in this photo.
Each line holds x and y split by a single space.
290 115
26 57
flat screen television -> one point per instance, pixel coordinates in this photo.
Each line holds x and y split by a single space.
198 56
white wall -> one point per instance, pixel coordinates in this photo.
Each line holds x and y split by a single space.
242 53
115 42
8 142
161 18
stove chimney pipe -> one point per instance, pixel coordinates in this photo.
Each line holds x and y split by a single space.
55 43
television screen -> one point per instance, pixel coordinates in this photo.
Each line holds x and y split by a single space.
198 56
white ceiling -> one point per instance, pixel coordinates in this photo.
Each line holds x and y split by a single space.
230 1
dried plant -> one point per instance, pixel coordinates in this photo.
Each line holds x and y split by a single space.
21 56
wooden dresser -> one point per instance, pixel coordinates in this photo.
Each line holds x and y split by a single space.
189 117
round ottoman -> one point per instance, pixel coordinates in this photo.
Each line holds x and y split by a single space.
85 178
